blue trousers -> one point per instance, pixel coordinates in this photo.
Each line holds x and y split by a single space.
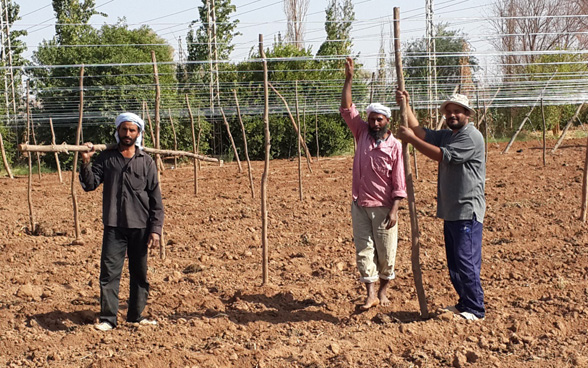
463 247
116 243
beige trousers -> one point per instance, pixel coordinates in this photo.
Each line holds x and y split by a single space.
375 246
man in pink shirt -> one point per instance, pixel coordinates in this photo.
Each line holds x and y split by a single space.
377 188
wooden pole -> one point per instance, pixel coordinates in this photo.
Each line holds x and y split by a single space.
78 240
414 154
157 134
193 146
250 171
301 195
37 153
171 121
565 129
32 225
308 157
265 175
414 224
198 139
585 187
66 148
527 116
544 129
231 139
56 154
316 133
146 112
5 158
485 133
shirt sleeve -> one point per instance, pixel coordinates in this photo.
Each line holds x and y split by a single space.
352 119
459 150
155 201
398 178
92 175
434 137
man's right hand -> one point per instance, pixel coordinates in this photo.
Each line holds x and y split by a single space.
349 68
87 155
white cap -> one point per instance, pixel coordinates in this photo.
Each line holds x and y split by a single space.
379 109
460 100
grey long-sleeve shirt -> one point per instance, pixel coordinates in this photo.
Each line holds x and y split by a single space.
462 173
131 197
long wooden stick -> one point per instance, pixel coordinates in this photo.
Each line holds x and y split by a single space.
585 187
37 154
193 146
308 157
171 121
414 224
544 132
32 225
56 154
5 158
231 139
265 175
316 135
66 148
78 240
301 195
565 129
250 171
157 134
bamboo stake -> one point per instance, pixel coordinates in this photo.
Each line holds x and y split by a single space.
528 115
171 121
308 157
78 240
249 170
265 175
32 226
585 187
66 148
231 139
193 146
565 129
316 135
544 129
301 195
414 224
56 154
157 134
5 158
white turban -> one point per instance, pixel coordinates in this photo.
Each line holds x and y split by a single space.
129 116
379 109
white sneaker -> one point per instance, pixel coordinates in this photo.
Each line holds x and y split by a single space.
470 316
148 322
451 308
103 326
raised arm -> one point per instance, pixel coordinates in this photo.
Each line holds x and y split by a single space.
346 94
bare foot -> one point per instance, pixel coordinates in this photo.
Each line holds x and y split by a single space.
384 300
382 292
371 301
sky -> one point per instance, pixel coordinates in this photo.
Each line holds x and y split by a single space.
171 20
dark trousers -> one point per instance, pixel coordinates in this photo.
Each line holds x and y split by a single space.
463 247
115 244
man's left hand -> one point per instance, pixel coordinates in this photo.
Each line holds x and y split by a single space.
154 239
405 134
391 219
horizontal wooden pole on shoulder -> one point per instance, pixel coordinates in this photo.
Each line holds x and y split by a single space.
101 147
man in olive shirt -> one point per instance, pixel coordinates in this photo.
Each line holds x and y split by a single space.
461 202
132 212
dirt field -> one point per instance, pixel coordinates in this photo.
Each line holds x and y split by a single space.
213 311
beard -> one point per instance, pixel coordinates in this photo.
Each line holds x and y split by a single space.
378 134
127 141
456 124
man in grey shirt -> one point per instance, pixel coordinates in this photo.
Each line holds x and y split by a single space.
132 212
461 203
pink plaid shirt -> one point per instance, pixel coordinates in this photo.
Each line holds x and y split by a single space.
378 169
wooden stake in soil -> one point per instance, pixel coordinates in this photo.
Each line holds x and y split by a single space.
585 187
316 133
231 139
308 157
32 225
35 142
5 158
171 121
414 224
265 175
193 146
78 240
565 129
544 128
250 171
56 154
157 131
301 195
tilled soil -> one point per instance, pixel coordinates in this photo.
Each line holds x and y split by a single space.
214 312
